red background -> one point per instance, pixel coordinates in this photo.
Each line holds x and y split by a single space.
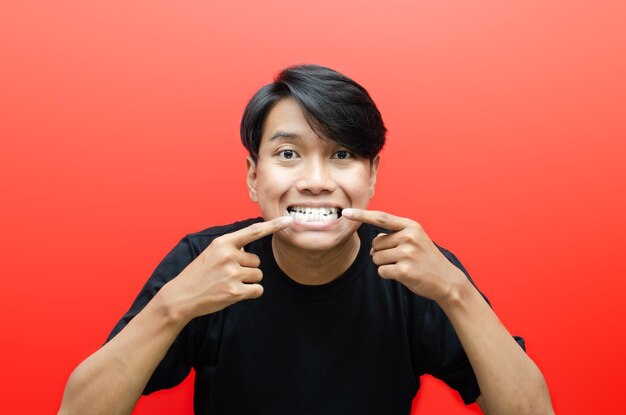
119 127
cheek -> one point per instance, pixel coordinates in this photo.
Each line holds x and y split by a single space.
270 189
357 186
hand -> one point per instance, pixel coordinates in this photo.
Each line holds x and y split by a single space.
408 255
223 273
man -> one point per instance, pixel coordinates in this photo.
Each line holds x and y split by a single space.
322 308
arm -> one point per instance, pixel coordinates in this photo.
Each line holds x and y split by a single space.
509 381
112 379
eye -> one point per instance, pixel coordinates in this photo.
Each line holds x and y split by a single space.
288 154
342 155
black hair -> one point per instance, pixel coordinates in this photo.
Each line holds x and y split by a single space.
335 106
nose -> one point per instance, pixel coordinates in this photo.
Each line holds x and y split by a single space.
316 178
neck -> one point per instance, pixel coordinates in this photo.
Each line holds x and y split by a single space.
315 267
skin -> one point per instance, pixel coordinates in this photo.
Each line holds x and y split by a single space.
297 167
321 173
509 381
111 380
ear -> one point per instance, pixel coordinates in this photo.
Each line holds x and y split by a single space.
251 179
374 163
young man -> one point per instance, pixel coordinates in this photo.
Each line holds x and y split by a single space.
321 306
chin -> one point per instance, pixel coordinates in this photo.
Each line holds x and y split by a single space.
316 240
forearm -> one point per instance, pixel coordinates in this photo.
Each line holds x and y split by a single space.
509 380
112 379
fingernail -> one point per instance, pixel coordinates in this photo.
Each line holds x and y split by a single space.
371 251
347 212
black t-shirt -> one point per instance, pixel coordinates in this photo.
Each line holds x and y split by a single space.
355 345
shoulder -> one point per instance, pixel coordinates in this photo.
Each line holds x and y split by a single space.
368 231
450 256
215 231
204 237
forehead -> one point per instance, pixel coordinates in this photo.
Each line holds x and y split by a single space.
286 120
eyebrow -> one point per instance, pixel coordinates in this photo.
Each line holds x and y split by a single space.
284 134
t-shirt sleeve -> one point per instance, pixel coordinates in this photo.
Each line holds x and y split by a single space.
443 354
178 360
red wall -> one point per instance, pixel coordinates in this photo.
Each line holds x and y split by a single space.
119 131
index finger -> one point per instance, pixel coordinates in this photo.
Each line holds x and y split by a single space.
378 218
259 230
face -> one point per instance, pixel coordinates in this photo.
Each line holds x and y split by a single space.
309 177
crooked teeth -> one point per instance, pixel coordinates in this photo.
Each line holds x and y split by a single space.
308 214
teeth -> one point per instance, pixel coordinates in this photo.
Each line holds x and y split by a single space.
309 214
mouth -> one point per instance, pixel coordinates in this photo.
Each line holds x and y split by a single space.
314 214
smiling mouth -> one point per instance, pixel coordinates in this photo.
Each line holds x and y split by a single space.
314 214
